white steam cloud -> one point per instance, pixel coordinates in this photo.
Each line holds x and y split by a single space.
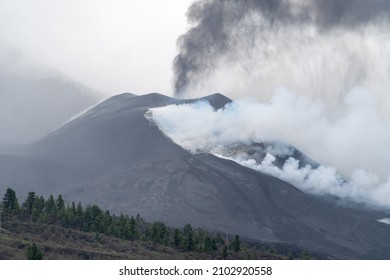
333 59
351 142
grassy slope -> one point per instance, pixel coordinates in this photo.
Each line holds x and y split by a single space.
57 242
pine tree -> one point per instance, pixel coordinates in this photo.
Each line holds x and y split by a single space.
207 243
189 237
60 203
51 209
87 219
122 227
132 229
38 207
79 210
186 229
190 241
33 253
10 202
214 245
197 236
165 240
157 232
224 252
176 238
97 221
29 203
237 244
1 215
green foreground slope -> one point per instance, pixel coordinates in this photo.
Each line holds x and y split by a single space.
62 231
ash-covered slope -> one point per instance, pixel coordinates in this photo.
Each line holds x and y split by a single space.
115 157
115 132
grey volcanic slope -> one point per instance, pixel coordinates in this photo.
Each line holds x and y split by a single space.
114 157
115 132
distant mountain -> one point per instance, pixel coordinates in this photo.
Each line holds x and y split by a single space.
33 104
113 156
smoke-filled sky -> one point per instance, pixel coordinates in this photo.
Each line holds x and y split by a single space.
331 61
110 46
319 48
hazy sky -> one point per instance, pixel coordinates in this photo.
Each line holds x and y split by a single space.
111 46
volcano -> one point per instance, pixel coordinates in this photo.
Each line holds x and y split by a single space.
114 156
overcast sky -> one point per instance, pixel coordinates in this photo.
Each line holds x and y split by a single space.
112 46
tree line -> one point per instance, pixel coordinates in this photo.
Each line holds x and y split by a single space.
94 219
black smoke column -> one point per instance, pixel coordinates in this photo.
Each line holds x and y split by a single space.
216 27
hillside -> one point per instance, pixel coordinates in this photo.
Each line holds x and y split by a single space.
102 236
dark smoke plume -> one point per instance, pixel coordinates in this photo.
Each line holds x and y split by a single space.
219 26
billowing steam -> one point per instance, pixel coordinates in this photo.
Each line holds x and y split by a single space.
319 71
353 147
